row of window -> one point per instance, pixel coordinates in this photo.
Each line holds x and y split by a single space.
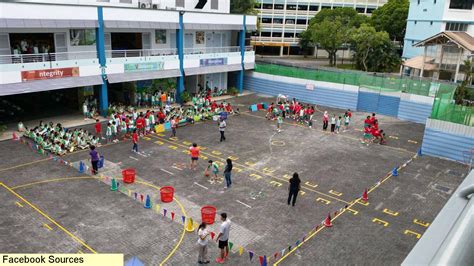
452 26
287 21
279 34
457 4
305 7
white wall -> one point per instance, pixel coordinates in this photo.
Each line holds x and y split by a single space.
38 11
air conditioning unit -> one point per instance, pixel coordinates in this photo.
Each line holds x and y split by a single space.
144 5
170 8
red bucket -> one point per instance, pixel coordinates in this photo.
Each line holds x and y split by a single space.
208 214
128 176
167 194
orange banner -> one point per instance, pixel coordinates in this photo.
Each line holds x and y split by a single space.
54 73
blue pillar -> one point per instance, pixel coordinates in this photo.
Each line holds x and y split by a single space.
100 42
180 45
240 80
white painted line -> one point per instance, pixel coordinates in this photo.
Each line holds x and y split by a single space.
175 167
166 171
201 185
246 205
133 158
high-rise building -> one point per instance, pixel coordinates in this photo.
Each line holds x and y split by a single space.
282 21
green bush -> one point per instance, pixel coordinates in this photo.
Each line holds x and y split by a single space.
185 96
232 91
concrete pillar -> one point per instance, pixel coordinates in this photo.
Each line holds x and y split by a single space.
458 63
100 45
423 63
240 80
180 48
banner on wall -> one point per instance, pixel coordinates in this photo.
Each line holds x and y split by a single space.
310 87
54 73
213 62
138 67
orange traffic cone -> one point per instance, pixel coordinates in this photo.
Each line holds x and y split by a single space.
327 222
365 196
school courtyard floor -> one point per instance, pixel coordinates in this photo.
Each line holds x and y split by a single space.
49 207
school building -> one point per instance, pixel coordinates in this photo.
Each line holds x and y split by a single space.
101 47
282 22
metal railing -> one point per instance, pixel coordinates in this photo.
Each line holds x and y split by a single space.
140 53
46 57
212 50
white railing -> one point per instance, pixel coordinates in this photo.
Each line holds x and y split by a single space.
140 53
46 57
212 50
248 48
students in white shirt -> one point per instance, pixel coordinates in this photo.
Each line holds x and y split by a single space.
203 233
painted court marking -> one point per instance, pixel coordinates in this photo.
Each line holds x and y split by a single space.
166 171
196 183
131 157
246 205
409 232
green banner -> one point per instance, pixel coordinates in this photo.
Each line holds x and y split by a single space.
138 67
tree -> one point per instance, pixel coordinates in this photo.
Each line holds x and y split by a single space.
463 92
392 18
243 7
374 51
329 30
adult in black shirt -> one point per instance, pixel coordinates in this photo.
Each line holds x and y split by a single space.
227 173
294 188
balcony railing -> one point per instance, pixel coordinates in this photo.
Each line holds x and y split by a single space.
212 50
46 57
140 53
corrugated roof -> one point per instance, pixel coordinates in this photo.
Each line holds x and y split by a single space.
462 39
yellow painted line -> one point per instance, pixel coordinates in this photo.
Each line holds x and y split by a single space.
187 143
159 142
409 232
389 212
285 176
136 181
257 177
310 185
263 173
335 193
393 137
19 204
160 134
268 170
172 147
187 152
174 138
24 164
249 163
233 158
365 203
48 227
236 169
302 192
203 157
80 252
276 183
379 221
146 138
216 152
418 222
49 218
413 141
354 212
325 201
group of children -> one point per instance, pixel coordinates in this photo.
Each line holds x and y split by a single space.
293 109
153 99
372 133
337 122
59 140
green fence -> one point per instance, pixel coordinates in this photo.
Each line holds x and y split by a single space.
444 109
377 82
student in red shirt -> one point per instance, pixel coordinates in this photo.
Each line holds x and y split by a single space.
372 119
367 122
140 124
135 141
98 129
194 155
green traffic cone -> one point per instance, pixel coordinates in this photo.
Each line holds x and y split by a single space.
113 185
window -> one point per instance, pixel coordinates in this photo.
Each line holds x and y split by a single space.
160 36
434 2
266 20
412 42
266 34
301 21
289 21
418 1
214 4
325 7
126 1
279 7
266 6
258 5
276 34
452 26
290 7
277 21
199 37
103 1
313 8
298 34
431 23
303 7
370 10
79 37
360 10
289 35
414 22
461 4
179 3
